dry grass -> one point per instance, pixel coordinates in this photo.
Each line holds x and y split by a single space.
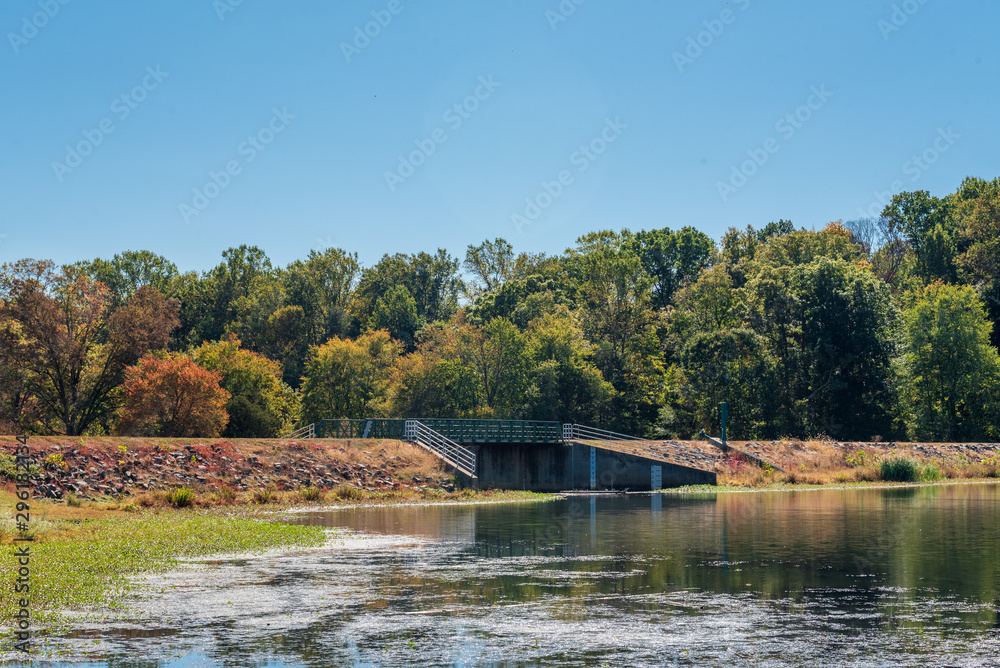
819 462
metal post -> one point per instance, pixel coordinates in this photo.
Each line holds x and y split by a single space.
724 407
593 467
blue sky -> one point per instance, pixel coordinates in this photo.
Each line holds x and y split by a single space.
571 118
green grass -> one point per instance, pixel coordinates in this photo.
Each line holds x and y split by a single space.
92 568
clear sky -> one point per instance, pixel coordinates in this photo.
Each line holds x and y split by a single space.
116 115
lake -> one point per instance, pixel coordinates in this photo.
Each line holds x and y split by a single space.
855 577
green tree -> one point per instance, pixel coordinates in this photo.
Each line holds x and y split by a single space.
237 296
848 342
563 382
495 351
491 263
396 312
950 373
929 226
322 287
127 272
672 259
349 379
618 316
432 280
978 222
427 385
729 365
261 405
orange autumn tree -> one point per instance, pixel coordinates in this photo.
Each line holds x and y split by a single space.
170 395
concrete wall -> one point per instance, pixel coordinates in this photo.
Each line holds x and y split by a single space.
556 468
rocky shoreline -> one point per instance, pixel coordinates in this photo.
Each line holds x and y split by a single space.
123 467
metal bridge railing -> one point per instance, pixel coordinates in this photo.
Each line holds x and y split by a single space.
306 432
639 446
373 428
461 458
494 431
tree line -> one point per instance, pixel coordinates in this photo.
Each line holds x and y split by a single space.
873 328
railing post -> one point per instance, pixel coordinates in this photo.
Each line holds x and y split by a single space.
567 432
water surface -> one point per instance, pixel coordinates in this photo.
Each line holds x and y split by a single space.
834 577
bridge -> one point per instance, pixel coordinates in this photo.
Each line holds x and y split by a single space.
539 455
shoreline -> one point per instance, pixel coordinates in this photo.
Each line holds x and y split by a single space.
833 486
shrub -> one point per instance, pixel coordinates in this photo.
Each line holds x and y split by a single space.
225 496
898 469
348 492
72 501
930 473
9 469
311 494
181 497
263 496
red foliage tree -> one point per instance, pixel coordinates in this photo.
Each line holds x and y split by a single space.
61 341
170 395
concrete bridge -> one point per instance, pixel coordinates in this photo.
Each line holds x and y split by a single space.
537 455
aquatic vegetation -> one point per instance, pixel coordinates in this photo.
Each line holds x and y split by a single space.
92 567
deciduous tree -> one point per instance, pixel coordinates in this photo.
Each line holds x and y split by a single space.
950 372
170 395
70 351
